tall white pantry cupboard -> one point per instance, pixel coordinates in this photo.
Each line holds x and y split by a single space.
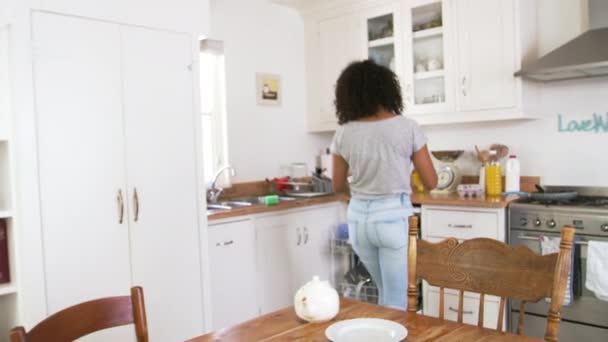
117 167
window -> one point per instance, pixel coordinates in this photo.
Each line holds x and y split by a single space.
213 107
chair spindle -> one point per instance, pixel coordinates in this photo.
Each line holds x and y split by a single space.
441 303
501 314
460 305
481 307
520 321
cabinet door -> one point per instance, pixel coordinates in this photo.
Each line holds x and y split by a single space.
313 255
486 48
275 241
430 59
233 278
339 45
81 161
161 168
382 36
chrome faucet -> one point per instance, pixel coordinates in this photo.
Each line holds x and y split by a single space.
213 193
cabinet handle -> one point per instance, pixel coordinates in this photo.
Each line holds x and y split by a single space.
225 243
305 235
135 205
464 312
299 236
468 226
464 86
121 206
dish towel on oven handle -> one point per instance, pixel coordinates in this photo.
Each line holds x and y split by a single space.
597 269
550 245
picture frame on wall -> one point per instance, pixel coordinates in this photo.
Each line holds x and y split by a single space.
268 89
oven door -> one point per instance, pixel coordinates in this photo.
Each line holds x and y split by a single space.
585 308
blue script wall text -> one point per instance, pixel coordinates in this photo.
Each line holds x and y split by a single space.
597 124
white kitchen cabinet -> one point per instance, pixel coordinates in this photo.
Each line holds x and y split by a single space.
331 44
428 32
232 259
115 113
382 36
314 253
476 49
486 54
81 153
162 185
276 236
291 249
463 223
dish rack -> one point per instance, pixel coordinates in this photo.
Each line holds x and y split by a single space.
344 261
347 270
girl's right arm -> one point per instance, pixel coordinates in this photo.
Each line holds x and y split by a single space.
424 166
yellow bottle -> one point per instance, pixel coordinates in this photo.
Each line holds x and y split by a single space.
493 179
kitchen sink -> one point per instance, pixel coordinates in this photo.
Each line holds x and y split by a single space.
227 205
240 202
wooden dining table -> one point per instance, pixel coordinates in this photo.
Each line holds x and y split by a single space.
284 325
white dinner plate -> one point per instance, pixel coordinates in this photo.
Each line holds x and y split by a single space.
365 330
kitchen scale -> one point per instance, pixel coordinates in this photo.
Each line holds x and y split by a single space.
448 175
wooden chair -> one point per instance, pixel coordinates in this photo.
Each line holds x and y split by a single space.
88 317
491 267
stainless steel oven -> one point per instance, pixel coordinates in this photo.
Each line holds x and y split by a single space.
586 318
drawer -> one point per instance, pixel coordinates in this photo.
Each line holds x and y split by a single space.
470 307
459 224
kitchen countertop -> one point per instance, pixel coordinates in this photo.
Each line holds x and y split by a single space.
417 199
454 200
296 203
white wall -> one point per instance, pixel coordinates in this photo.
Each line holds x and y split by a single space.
559 158
264 37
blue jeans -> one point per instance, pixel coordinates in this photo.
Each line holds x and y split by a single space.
378 232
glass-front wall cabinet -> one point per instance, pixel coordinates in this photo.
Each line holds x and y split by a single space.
381 40
382 37
426 74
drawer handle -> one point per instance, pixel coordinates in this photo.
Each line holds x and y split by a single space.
468 226
464 312
225 243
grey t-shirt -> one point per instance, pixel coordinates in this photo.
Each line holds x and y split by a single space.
379 154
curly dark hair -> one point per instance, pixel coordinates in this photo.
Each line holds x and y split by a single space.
364 88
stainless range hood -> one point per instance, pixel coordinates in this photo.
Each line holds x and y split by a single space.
584 56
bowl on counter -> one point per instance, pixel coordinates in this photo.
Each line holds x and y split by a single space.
447 155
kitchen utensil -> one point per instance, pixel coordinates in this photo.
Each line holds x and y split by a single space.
544 196
366 329
502 151
482 156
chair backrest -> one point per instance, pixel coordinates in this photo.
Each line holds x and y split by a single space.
491 267
88 317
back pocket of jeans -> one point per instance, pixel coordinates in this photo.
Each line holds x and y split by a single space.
392 234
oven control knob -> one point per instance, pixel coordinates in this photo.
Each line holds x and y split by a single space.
523 221
604 227
551 223
537 222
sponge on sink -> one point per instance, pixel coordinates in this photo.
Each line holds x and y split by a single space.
271 200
